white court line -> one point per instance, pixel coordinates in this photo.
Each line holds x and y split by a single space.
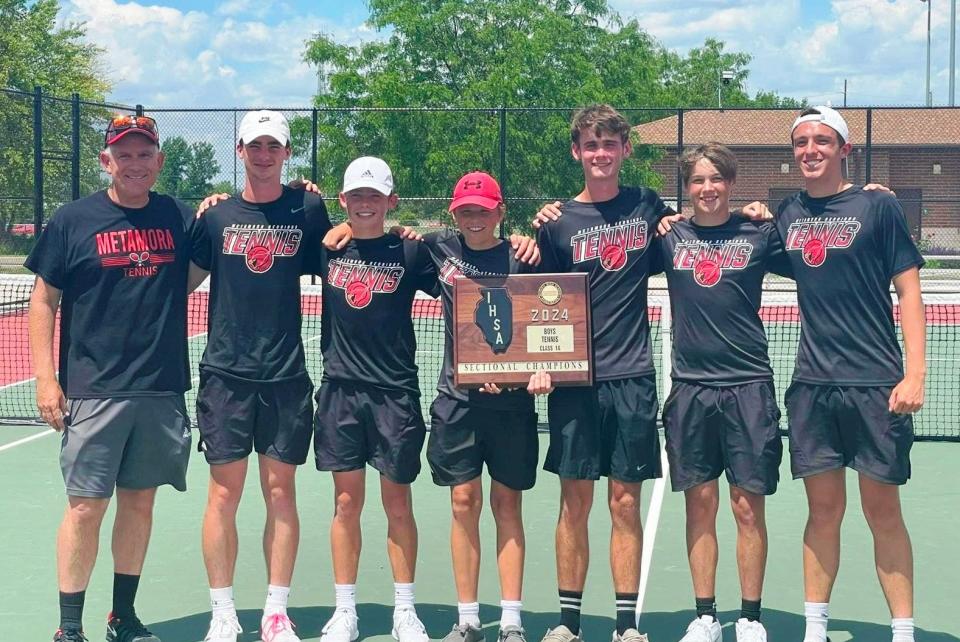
26 439
650 527
17 383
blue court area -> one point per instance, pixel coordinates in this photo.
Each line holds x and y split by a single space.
173 595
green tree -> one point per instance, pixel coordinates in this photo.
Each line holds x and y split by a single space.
35 51
485 53
188 169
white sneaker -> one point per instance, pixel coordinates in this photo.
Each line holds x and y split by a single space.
341 627
277 627
223 629
750 631
703 629
407 627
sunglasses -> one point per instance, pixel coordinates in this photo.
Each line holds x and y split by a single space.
120 124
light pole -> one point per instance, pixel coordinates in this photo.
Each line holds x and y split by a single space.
929 96
726 76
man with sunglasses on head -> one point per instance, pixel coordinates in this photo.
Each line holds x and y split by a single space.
116 264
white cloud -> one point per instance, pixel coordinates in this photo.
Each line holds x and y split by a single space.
240 52
798 50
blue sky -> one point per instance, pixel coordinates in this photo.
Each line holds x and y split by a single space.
186 53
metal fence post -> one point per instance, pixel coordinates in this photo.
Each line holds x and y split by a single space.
139 109
37 161
503 154
75 146
869 153
313 148
679 154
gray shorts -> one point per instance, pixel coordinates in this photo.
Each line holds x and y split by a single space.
128 442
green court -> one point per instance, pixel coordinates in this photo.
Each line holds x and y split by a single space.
173 595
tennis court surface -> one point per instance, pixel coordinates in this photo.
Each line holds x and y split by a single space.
173 596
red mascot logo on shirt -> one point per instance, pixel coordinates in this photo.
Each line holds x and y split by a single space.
611 244
361 280
708 260
260 245
812 237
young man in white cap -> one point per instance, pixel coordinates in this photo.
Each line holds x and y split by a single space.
255 393
851 399
115 263
368 404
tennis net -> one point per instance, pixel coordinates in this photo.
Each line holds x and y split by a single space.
939 419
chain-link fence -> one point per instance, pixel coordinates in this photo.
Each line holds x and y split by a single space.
49 145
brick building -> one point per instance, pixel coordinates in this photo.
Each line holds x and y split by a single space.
916 152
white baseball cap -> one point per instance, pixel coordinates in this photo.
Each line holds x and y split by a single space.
264 123
368 171
829 117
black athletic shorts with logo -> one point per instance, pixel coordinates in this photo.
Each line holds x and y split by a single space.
237 416
608 429
464 437
832 427
715 429
358 424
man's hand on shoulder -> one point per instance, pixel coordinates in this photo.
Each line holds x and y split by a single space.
406 233
877 187
665 224
757 211
303 183
549 212
526 249
210 201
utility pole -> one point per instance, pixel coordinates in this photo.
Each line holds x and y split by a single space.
844 92
928 97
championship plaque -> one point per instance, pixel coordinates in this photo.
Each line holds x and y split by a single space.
507 328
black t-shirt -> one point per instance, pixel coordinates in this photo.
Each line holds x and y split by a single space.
715 278
844 250
610 241
123 276
452 257
366 324
256 253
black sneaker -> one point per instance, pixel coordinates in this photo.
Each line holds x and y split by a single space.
69 635
129 629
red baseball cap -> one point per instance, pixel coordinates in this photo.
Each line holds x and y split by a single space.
120 126
476 188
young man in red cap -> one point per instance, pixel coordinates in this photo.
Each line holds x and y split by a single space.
488 425
851 399
116 263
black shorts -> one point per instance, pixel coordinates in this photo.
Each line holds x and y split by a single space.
237 416
715 429
357 424
464 437
836 426
608 429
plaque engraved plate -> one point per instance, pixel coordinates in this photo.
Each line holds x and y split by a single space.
507 328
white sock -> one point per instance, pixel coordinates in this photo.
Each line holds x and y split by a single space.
277 597
402 596
816 614
902 629
346 597
510 613
469 613
221 602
